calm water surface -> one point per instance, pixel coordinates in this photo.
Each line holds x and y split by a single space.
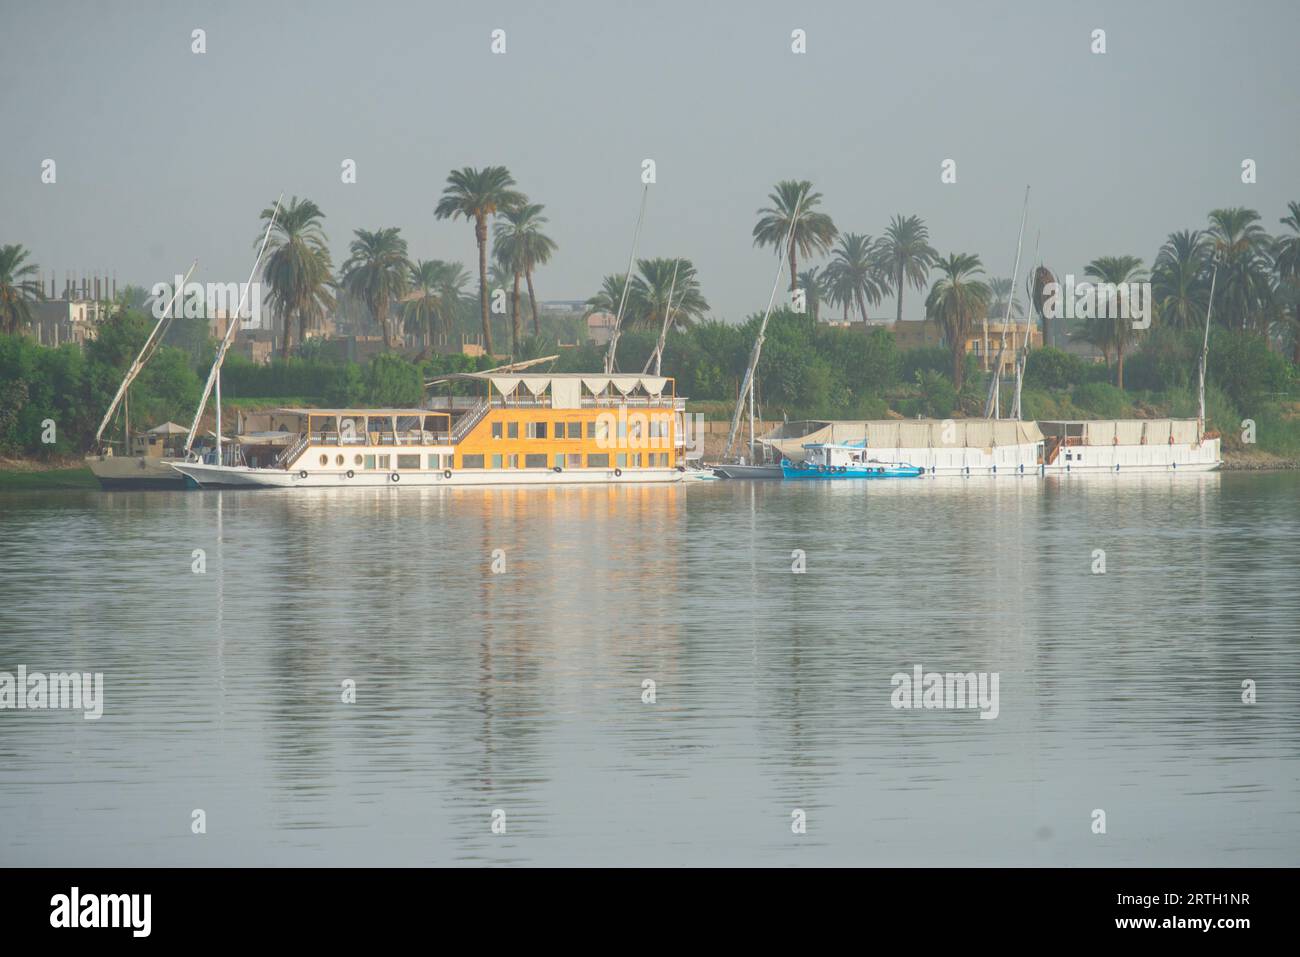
522 691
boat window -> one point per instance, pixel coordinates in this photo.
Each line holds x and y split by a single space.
384 460
591 430
408 461
497 430
324 460
559 430
435 461
496 462
575 430
370 461
573 461
471 461
512 461
535 461
600 461
357 461
635 460
338 460
537 430
621 460
512 430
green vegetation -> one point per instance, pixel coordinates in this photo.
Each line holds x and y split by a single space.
808 369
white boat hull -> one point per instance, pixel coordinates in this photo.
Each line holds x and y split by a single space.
1125 459
1017 460
228 476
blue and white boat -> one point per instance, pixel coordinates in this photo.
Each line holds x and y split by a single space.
823 460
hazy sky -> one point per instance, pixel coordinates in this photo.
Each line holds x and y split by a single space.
163 155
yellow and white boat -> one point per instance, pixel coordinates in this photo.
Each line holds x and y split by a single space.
525 429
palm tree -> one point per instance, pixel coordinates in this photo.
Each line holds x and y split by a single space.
378 272
609 297
477 194
853 276
666 292
435 290
906 254
814 290
1243 293
1115 332
651 287
813 232
20 286
1286 258
534 248
957 301
298 267
1180 279
999 292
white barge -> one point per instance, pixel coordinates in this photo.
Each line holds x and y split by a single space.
992 447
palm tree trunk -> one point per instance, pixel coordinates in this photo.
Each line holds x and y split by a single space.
898 317
380 315
958 361
480 233
428 334
515 329
532 299
794 266
287 321
1119 377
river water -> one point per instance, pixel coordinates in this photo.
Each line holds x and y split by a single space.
500 642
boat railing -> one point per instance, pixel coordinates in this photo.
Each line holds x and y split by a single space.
588 402
406 437
470 419
292 452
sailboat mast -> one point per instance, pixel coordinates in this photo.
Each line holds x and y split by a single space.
146 351
1205 351
627 284
995 384
757 351
229 336
656 357
1022 358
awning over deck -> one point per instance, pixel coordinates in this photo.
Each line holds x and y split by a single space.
790 437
